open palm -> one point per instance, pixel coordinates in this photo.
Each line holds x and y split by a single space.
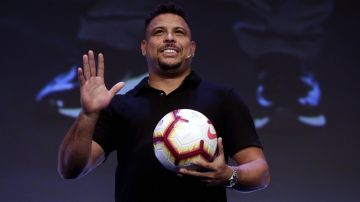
94 95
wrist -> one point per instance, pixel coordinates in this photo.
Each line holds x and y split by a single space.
232 180
93 116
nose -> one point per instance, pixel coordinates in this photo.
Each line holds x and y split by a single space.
169 38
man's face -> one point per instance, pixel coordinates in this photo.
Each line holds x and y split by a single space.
168 46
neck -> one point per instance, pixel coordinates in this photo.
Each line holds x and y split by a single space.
165 83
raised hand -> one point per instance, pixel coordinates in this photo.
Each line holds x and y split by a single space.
94 95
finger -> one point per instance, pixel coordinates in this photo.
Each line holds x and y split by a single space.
220 147
208 182
86 68
92 63
81 76
201 163
193 173
117 87
101 66
179 175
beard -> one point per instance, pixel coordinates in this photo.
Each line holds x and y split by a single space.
172 70
169 68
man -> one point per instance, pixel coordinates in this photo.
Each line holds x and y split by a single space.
125 123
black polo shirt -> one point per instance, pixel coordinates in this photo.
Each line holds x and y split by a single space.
128 123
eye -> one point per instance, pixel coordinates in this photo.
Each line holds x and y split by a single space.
180 32
158 32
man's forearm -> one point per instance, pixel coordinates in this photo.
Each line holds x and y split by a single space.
75 150
252 176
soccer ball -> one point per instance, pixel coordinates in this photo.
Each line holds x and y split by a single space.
182 136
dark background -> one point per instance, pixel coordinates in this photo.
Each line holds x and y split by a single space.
40 40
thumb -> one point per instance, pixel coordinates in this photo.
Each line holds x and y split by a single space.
220 147
117 87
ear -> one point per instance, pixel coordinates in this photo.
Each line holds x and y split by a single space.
193 48
143 47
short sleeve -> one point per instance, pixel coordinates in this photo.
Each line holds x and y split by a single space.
240 131
105 131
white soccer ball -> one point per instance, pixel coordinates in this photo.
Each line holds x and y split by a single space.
182 136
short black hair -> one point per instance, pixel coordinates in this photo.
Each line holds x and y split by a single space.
166 8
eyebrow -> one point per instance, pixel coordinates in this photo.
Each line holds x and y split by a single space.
183 28
163 27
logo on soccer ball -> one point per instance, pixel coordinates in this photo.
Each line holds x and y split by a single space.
182 136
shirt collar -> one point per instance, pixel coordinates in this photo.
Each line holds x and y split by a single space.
191 80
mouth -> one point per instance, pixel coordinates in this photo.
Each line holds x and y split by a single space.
169 51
